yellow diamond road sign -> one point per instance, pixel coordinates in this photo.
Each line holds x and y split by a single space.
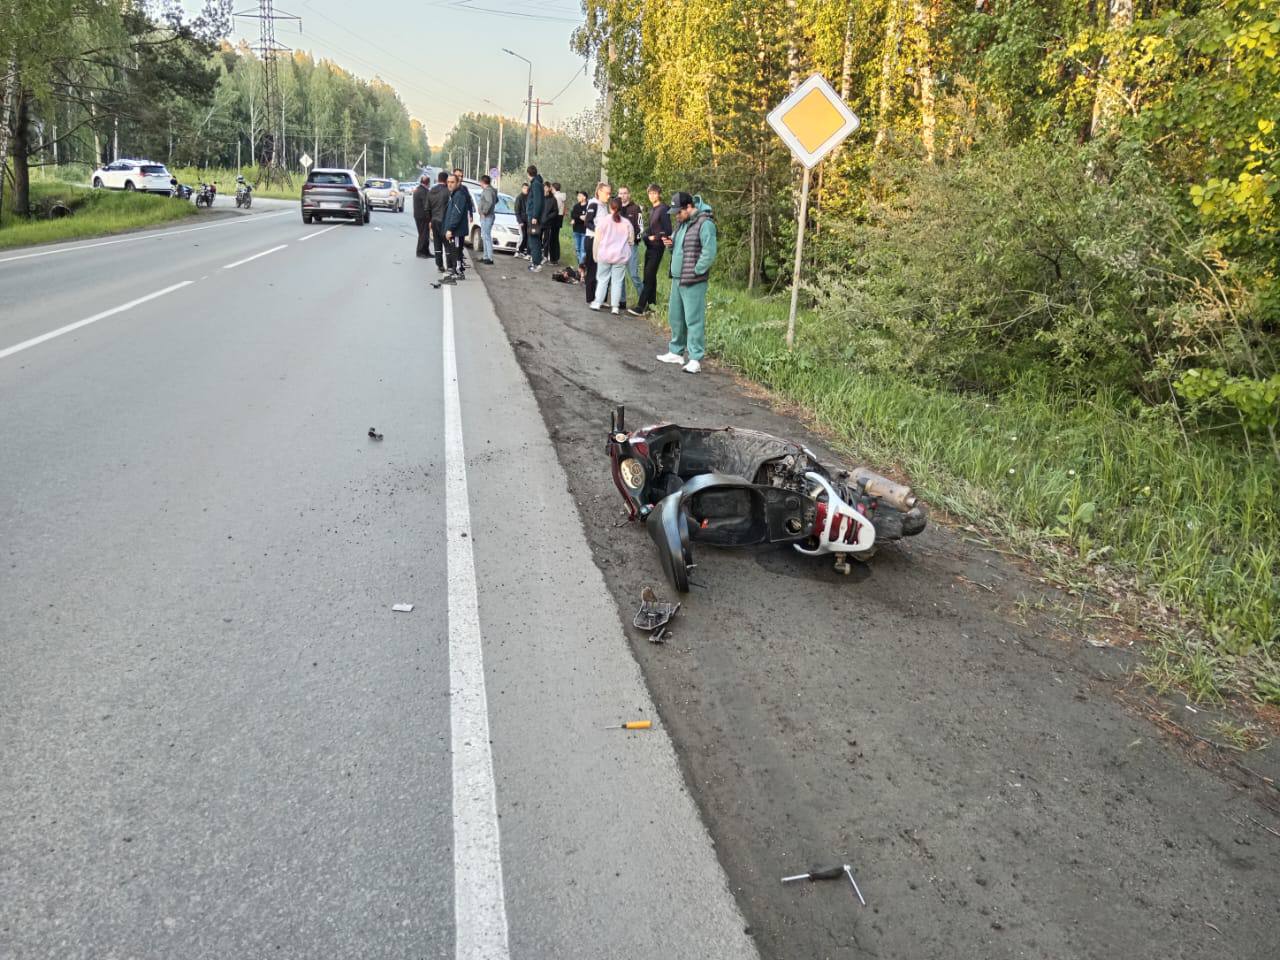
813 120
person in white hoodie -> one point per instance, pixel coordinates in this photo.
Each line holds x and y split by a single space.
615 239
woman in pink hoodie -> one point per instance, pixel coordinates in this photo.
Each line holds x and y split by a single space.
612 251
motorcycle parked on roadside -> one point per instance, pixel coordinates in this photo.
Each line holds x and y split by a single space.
179 191
244 194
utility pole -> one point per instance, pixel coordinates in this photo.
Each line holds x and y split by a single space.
272 170
384 157
537 123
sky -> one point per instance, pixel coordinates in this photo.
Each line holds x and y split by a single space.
445 57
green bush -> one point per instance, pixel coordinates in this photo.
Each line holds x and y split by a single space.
1084 264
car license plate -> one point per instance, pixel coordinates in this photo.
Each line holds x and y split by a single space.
330 205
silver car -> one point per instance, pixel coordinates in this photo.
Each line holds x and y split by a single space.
384 192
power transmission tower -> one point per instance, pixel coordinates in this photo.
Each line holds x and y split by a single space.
272 169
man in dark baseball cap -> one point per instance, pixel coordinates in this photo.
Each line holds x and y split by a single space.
693 251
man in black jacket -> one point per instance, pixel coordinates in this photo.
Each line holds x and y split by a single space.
422 217
534 211
659 228
522 202
437 203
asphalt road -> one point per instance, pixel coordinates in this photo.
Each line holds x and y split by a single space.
217 738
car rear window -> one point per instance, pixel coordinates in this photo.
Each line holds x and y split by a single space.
337 179
151 169
378 184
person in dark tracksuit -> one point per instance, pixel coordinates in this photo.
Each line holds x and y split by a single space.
457 222
522 202
655 234
534 211
437 202
550 223
422 217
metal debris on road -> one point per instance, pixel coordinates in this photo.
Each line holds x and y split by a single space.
632 725
402 607
653 613
829 873
374 434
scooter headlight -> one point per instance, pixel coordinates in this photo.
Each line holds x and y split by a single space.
632 473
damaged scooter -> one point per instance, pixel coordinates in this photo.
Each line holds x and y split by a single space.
741 488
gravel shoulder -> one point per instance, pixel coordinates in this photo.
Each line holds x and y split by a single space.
996 783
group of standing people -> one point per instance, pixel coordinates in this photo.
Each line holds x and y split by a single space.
443 213
608 233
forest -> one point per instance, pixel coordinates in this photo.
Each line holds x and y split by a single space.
85 81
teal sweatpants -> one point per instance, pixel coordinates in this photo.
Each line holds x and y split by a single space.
687 314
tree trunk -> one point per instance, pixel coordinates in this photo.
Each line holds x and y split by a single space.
6 104
1109 96
928 106
97 141
888 60
21 202
751 239
846 66
606 133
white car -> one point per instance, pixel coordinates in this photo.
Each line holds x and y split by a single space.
141 175
506 228
384 192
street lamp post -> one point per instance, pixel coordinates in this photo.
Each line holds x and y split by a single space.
501 124
528 118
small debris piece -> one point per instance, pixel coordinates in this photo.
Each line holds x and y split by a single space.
374 434
659 636
402 607
632 725
653 613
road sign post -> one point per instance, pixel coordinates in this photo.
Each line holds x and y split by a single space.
812 121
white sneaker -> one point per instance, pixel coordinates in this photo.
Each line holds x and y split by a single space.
693 366
614 311
594 306
671 358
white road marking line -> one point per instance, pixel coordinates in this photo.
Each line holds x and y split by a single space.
254 257
143 236
479 905
318 232
18 347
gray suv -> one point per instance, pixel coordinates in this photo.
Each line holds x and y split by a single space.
334 192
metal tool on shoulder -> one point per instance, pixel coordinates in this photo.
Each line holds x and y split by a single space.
829 873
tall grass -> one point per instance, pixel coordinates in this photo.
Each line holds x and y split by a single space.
1194 522
93 214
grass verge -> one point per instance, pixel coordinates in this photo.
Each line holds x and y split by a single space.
1110 499
94 213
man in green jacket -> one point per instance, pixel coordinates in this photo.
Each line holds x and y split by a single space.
693 251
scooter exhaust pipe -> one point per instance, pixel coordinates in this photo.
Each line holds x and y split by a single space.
897 495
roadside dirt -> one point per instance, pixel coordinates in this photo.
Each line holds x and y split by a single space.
992 779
